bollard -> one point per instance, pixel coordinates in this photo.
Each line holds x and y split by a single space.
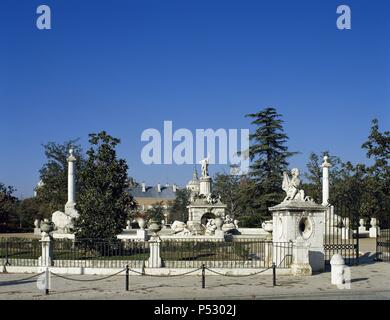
337 269
127 279
47 275
203 276
274 274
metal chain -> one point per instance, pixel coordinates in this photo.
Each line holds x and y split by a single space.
87 280
162 276
238 276
35 275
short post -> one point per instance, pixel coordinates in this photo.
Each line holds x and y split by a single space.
273 274
337 273
203 276
127 278
47 280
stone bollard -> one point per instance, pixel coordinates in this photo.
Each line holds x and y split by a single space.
155 258
337 274
301 265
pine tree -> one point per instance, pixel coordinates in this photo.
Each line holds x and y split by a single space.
52 195
269 155
178 207
104 201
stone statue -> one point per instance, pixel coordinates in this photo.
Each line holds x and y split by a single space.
64 222
205 167
180 228
228 224
210 227
291 186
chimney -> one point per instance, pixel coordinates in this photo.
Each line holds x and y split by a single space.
143 187
158 187
174 187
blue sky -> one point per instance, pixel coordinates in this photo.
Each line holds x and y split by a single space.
125 66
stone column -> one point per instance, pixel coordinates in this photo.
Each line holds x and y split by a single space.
301 265
325 181
154 247
71 182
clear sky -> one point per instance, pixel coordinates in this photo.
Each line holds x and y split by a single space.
124 66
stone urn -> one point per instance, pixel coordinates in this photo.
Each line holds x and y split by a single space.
218 222
154 227
236 222
47 226
268 226
141 223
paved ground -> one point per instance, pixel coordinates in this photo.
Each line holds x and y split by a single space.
369 281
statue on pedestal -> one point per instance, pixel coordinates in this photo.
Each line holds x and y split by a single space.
205 167
291 186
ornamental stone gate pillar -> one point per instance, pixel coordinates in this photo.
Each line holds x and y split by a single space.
155 257
299 219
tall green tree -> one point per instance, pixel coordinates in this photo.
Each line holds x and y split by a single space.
7 202
228 187
269 158
178 208
156 212
104 201
54 174
377 148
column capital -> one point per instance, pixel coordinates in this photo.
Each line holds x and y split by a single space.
326 163
71 157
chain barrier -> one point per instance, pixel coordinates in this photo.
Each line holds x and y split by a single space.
87 280
237 276
164 275
24 279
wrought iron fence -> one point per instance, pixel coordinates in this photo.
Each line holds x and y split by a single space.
383 240
19 252
342 233
96 253
248 253
175 253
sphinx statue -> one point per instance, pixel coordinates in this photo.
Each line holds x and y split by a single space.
291 186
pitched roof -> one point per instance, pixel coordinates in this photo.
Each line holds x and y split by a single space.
151 192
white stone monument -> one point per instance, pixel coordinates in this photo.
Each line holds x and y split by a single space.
204 206
63 221
325 181
298 216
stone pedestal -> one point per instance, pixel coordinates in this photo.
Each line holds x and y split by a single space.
294 219
200 208
374 229
154 258
205 185
46 259
301 265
